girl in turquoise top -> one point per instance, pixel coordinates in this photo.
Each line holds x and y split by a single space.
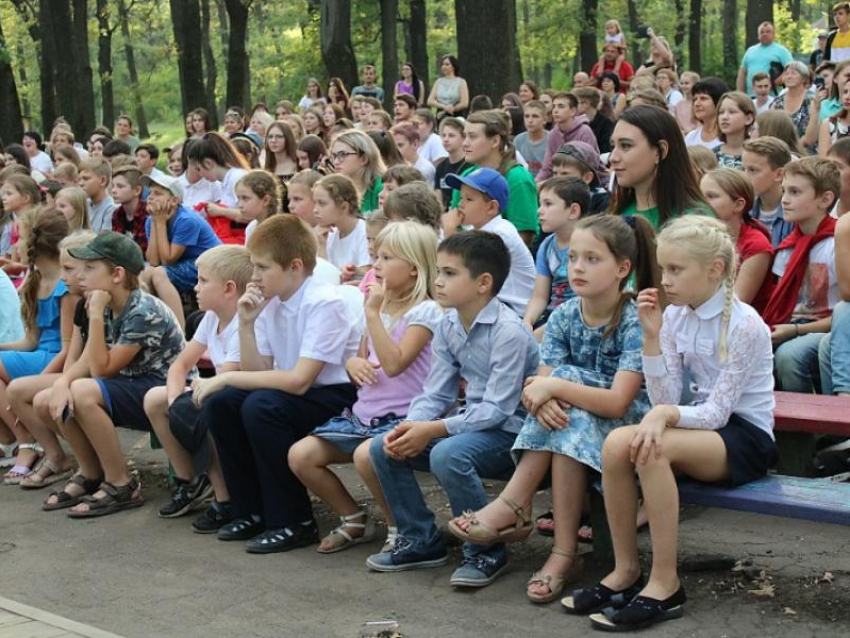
47 311
654 175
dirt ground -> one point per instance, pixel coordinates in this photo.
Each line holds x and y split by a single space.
140 576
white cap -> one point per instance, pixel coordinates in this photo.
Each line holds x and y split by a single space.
171 184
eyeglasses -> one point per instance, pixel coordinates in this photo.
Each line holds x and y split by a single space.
275 137
341 155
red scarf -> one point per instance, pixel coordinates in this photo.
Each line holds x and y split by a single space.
787 291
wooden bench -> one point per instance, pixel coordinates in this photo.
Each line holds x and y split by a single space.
800 418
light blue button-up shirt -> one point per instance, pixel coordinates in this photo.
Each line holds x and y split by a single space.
495 357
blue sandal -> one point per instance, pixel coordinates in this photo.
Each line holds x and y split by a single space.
642 612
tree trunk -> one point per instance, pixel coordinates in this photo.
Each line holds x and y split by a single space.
209 63
389 49
679 36
694 37
337 51
237 57
130 54
42 36
84 78
494 70
634 22
11 121
587 39
186 20
104 64
758 11
730 37
419 42
58 20
22 72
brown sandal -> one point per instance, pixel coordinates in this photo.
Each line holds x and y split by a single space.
115 499
65 500
483 534
555 584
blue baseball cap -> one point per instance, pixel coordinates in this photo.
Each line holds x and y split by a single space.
487 181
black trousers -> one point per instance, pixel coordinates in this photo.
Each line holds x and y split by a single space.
253 432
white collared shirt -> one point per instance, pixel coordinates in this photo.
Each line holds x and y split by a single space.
318 322
742 384
520 282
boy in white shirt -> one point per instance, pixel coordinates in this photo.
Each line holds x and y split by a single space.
295 335
484 194
223 274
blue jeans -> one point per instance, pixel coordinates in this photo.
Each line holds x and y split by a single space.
796 363
834 352
459 463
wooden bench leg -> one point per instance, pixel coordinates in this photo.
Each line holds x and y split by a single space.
603 549
796 452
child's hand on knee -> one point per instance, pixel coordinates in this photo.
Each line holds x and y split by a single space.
648 436
553 415
536 393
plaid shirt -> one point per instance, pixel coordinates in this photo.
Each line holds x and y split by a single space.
134 227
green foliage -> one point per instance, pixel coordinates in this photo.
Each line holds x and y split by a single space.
284 50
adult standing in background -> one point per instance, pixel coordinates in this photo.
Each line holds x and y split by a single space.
760 57
410 84
450 94
837 46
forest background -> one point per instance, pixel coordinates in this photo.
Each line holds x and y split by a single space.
92 60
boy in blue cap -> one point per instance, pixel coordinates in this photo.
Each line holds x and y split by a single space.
484 194
484 343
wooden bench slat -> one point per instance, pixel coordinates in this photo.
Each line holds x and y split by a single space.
812 413
788 496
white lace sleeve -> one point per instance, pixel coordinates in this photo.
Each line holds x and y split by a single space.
742 359
664 373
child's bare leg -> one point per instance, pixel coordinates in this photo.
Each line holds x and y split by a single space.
46 431
86 457
309 460
216 476
364 468
569 484
619 486
21 394
97 427
157 279
698 454
7 418
156 407
530 471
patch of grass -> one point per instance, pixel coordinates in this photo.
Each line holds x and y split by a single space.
165 133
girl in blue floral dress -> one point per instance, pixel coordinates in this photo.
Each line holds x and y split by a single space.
589 383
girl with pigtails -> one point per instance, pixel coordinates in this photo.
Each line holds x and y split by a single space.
708 364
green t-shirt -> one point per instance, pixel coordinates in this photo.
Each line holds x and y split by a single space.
369 203
652 215
522 205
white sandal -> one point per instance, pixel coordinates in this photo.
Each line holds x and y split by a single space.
10 452
368 527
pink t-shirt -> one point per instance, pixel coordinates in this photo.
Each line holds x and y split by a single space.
392 395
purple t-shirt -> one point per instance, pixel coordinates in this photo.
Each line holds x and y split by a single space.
392 395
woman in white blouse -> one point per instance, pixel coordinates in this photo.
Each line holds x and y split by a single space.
708 364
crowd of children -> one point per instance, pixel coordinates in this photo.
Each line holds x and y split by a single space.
456 297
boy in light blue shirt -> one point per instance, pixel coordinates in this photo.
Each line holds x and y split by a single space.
11 328
483 342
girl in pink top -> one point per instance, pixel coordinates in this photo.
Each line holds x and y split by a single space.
395 358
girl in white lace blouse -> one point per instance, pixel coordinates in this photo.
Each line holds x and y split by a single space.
708 365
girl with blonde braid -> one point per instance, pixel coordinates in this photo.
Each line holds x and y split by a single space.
708 365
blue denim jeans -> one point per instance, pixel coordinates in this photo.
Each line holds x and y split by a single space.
459 463
796 363
834 352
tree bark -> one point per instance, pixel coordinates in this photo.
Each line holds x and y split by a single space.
42 36
494 70
57 19
588 44
11 120
337 50
389 49
419 42
104 64
758 11
634 23
132 71
186 21
82 61
237 57
209 63
22 73
679 37
694 37
730 37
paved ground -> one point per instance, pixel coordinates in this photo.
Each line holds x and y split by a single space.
23 621
138 576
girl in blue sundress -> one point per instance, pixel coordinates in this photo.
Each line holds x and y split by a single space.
47 311
590 382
